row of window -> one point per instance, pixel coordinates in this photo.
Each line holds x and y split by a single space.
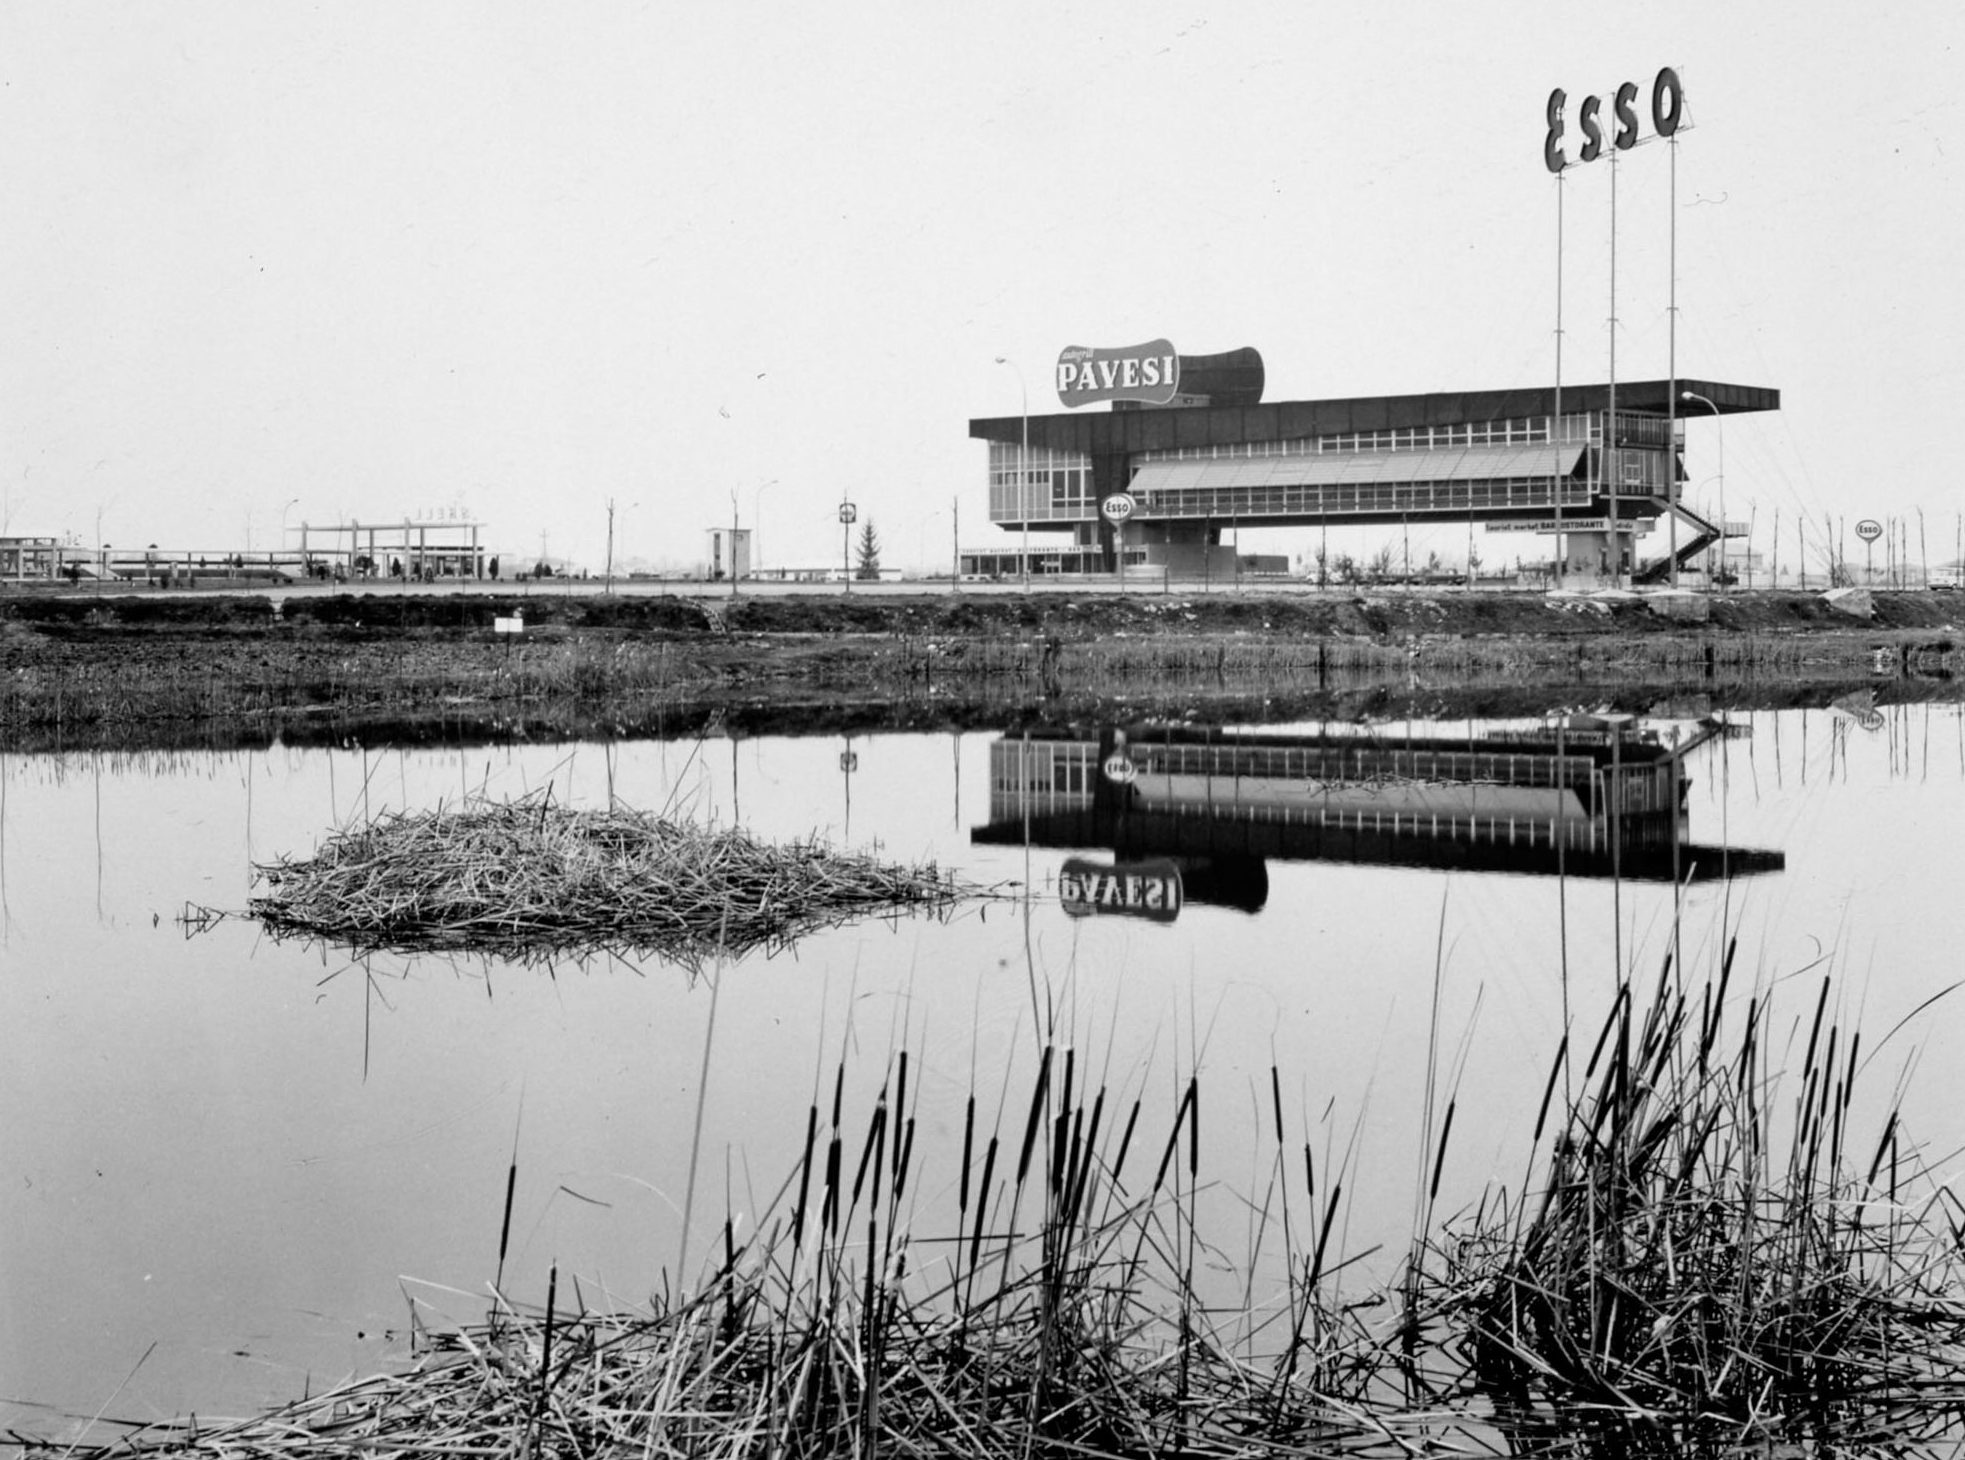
1057 485
1640 430
1519 431
1297 500
1005 561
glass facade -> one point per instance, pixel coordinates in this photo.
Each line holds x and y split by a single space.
1525 431
1007 562
1303 501
1059 483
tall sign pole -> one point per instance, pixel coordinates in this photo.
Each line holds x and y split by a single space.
1556 431
1671 368
1612 465
1667 111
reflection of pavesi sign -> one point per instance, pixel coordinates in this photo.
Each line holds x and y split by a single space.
1118 507
1148 890
1869 529
1148 372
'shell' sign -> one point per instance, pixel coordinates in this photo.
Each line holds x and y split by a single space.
1148 372
1148 890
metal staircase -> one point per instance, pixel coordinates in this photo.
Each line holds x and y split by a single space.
1704 534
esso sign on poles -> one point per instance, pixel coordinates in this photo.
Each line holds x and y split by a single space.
848 513
1118 507
1667 111
1869 529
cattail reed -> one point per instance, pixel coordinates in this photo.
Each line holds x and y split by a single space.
1691 1257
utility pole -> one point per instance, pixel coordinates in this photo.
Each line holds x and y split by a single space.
610 544
1023 468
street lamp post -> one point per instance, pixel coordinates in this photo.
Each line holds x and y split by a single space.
1023 469
1719 431
757 522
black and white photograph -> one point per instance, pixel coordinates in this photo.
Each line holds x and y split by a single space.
998 731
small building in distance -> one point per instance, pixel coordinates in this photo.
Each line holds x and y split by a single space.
427 549
33 559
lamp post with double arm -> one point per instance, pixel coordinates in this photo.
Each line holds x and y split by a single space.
1023 470
1719 431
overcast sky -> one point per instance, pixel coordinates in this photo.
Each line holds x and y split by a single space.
271 262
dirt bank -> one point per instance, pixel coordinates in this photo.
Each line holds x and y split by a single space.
80 665
1378 614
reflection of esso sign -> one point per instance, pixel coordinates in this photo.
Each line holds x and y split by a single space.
1118 768
849 761
1871 720
1869 529
1118 507
1667 110
848 513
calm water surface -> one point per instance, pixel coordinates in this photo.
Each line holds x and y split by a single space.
231 1165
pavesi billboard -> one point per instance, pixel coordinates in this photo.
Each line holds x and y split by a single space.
1149 373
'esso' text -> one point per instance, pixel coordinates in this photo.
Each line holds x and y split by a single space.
1667 108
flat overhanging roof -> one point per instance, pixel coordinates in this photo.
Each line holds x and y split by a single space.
1101 433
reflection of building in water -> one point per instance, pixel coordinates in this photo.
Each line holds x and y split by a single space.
1587 799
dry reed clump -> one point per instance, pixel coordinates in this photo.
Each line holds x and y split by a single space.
1711 1251
531 879
1059 1318
1702 1272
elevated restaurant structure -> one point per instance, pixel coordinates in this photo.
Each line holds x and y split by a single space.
1536 459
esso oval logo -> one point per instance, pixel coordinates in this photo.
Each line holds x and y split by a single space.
1119 769
1869 529
1118 507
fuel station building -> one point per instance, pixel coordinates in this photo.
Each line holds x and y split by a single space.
1596 466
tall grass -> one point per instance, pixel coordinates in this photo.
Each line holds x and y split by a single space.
1712 1243
1709 1257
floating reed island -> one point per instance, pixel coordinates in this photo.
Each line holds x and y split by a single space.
529 879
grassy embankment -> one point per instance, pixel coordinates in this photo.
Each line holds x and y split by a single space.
79 669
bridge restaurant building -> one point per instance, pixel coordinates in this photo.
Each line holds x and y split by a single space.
1220 457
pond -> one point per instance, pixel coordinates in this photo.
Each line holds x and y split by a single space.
235 1167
